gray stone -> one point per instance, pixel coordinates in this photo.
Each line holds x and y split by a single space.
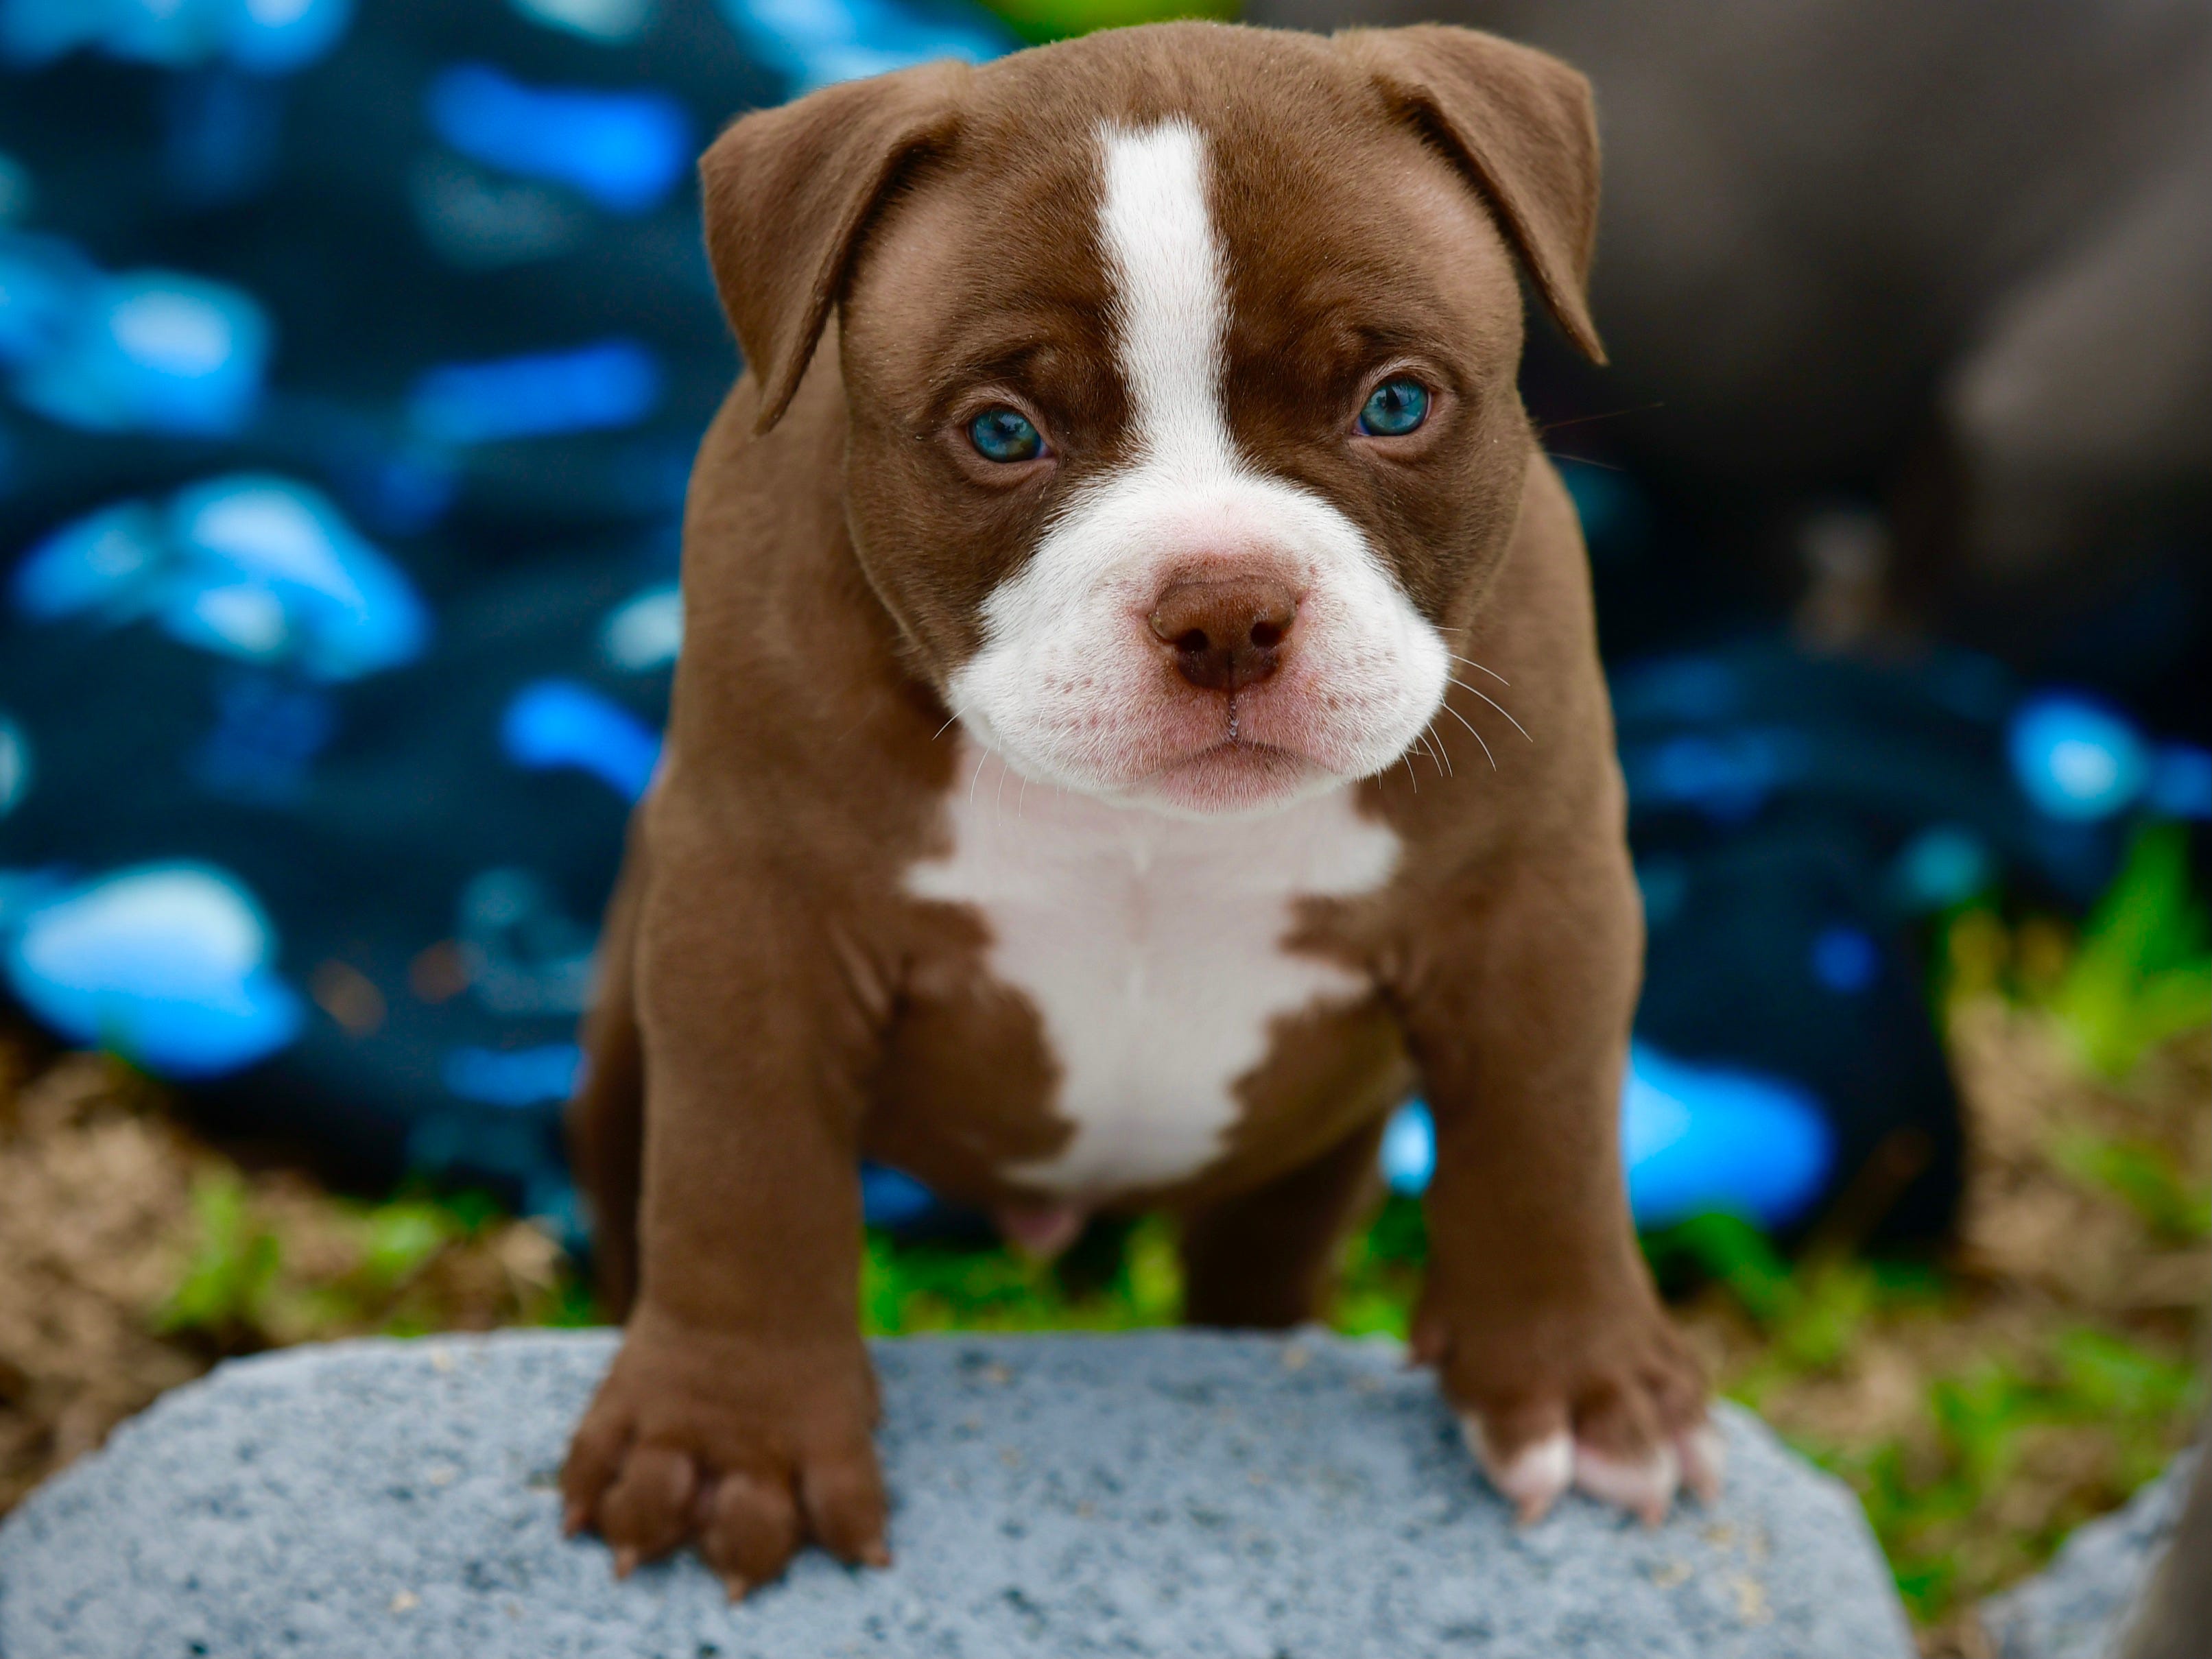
1176 1492
2074 1607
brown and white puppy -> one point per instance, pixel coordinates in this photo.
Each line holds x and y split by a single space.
1091 784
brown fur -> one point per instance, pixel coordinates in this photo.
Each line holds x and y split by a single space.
785 1007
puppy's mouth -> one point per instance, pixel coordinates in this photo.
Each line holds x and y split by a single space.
1236 774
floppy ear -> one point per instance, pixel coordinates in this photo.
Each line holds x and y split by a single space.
787 193
1521 124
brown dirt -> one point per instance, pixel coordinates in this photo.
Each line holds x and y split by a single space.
107 1209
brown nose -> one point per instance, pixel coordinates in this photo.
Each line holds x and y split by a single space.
1226 634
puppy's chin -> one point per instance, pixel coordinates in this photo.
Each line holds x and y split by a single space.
1233 779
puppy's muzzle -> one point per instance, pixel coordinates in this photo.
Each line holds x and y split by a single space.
1227 633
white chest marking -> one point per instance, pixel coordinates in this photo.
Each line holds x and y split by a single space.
1151 947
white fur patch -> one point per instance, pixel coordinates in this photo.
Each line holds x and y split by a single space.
1070 686
1171 293
1152 946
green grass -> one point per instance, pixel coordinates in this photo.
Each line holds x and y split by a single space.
2142 973
261 1275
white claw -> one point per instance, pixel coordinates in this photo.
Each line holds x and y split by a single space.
1534 1477
1644 1489
1704 1461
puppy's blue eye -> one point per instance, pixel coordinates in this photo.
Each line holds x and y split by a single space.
1006 434
1394 408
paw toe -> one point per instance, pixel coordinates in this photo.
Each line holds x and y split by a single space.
1531 1476
1644 1485
648 1511
845 1510
1703 1456
750 1531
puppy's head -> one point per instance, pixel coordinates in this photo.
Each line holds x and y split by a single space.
1180 365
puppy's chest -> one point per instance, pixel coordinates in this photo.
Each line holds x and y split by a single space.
1152 950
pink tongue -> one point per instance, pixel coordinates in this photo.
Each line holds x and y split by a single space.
1040 1230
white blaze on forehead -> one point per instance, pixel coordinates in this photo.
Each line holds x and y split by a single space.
1170 291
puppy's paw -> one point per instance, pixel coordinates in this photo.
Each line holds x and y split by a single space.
1613 1406
750 1448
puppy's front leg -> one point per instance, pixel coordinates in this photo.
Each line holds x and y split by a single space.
739 1408
1539 1313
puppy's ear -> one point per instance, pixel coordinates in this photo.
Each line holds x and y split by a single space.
787 193
1521 125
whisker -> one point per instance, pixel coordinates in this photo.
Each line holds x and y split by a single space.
1583 460
1406 757
1021 799
1463 721
1427 749
941 730
981 754
1498 706
1436 742
1492 673
1545 429
998 811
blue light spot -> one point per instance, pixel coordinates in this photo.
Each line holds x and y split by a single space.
1699 1139
278 37
1695 1138
814 43
616 382
247 566
645 632
625 150
516 1078
167 964
1409 1149
892 1197
2075 759
281 571
608 22
1726 775
2181 782
270 37
1941 866
552 724
152 351
1845 960
100 563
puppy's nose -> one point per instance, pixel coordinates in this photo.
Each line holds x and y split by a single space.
1226 634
